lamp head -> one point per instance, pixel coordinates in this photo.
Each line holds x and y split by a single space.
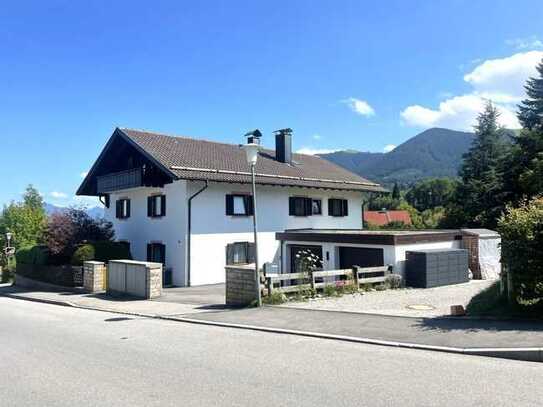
251 152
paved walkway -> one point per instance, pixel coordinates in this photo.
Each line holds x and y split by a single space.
450 332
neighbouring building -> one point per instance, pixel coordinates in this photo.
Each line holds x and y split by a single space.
384 217
187 203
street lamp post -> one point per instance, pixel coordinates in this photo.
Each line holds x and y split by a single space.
251 151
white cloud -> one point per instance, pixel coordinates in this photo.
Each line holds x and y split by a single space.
360 106
499 80
316 136
58 195
314 151
83 174
389 147
531 42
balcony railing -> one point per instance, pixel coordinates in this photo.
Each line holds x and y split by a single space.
120 180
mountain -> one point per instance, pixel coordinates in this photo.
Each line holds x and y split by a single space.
435 152
94 212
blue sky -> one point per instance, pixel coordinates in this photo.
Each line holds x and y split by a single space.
361 75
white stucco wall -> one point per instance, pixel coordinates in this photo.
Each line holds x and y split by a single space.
489 257
212 229
139 229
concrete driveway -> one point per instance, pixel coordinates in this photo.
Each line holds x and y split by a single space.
409 302
211 296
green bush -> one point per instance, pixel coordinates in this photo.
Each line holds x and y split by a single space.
38 255
107 250
393 281
82 254
521 230
275 298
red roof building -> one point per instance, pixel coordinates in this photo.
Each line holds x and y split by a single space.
382 218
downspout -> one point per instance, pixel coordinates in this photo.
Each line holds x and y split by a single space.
190 228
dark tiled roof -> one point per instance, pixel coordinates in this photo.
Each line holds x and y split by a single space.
196 159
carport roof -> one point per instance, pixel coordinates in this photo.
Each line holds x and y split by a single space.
377 237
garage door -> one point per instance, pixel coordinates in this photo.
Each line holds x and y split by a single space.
360 256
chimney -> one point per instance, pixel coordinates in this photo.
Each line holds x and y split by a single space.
253 137
283 145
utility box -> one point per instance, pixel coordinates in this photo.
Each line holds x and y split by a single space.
437 267
136 278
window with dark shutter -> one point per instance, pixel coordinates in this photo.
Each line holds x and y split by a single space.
316 207
156 253
156 206
338 207
122 208
239 205
300 206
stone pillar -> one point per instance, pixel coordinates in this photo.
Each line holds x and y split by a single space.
240 285
94 276
153 277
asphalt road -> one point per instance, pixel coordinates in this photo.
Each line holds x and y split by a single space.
60 356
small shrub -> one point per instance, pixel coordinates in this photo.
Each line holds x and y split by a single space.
350 288
330 290
380 287
82 254
275 298
393 281
366 287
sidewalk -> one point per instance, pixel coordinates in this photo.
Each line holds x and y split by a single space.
521 340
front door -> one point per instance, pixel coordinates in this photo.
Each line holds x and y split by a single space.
156 253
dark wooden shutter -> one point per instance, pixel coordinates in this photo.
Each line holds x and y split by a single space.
292 206
118 204
149 252
229 205
229 254
308 207
127 208
163 205
345 205
249 205
250 252
162 249
330 207
150 204
107 201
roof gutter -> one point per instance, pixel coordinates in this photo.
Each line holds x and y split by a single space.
190 229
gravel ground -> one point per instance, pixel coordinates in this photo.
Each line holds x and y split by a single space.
396 302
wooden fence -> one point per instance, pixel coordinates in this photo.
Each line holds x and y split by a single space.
319 279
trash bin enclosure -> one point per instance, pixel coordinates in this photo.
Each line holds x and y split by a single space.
136 278
437 267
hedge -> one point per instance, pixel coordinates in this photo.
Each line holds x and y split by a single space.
38 255
521 230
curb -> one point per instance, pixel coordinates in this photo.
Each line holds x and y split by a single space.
522 354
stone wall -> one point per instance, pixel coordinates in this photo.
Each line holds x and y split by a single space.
240 285
154 281
94 276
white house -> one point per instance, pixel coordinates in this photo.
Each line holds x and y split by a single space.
187 203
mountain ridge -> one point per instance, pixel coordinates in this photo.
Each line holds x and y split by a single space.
435 152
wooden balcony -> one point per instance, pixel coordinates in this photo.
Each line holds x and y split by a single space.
117 181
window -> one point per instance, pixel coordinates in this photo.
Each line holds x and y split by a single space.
316 207
240 253
122 208
239 205
338 207
156 253
156 206
300 206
